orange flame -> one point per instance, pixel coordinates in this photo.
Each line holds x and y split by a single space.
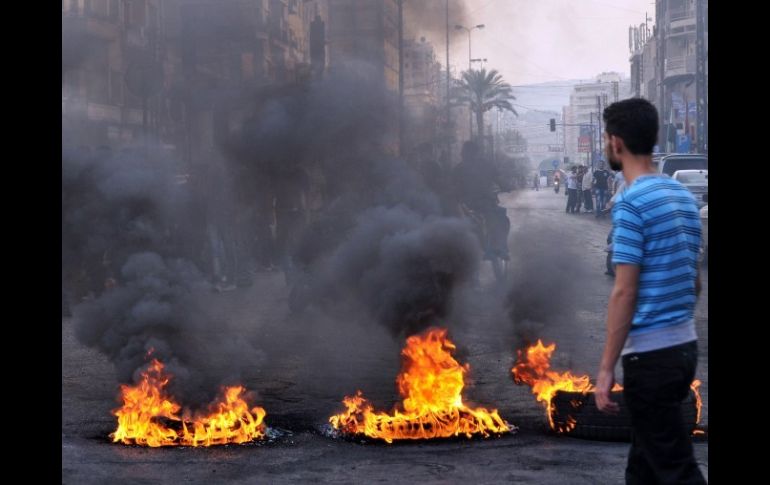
698 402
534 370
431 382
148 411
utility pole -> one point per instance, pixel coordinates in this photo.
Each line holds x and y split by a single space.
448 106
564 135
700 77
660 13
401 78
593 135
470 111
469 30
599 122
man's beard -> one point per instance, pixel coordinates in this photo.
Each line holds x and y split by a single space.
614 164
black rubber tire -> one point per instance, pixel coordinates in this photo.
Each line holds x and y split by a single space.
592 424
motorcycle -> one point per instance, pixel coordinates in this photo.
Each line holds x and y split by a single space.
556 186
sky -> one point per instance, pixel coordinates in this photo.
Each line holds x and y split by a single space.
534 41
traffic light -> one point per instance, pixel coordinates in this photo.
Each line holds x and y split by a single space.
553 124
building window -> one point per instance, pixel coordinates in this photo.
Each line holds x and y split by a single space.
98 90
113 133
72 83
137 14
247 65
98 8
152 18
132 100
116 87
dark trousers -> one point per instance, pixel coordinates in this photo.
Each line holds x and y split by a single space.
588 203
601 200
655 384
494 231
572 200
498 227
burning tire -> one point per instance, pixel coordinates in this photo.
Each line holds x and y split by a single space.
575 414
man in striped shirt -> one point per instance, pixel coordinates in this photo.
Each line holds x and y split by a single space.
650 315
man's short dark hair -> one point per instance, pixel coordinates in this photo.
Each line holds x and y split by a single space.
635 121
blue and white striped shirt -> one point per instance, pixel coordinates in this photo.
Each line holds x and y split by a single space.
657 227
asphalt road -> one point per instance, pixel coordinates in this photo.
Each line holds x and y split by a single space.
309 363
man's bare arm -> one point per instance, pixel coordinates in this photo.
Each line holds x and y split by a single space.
620 312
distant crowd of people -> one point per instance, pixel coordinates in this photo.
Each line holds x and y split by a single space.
590 191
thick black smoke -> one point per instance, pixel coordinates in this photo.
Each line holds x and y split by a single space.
124 217
428 17
404 268
114 205
547 282
380 238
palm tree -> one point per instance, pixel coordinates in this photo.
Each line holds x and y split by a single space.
483 91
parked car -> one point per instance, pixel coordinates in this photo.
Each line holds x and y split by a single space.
697 181
682 161
656 157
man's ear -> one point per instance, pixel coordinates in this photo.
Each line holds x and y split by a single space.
618 146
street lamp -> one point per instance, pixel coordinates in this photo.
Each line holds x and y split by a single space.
482 61
460 27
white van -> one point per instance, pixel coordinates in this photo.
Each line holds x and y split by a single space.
682 161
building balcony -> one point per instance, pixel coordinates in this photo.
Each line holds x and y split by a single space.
74 106
103 112
137 37
681 22
680 14
100 28
132 116
679 66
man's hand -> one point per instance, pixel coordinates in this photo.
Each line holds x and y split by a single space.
604 384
